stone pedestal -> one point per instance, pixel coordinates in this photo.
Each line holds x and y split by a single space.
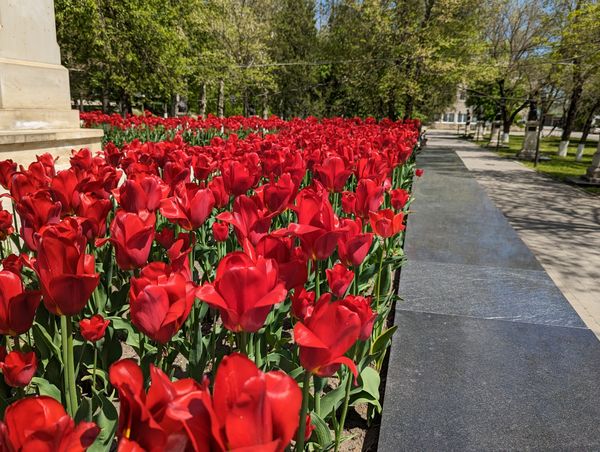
494 134
593 172
35 101
529 142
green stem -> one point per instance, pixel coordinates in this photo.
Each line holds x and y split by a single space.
340 429
242 342
379 277
94 369
317 281
71 358
65 359
317 395
303 411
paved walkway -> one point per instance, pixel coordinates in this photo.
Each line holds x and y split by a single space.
558 222
489 354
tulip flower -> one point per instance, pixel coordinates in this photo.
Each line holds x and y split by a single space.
325 335
6 224
40 423
37 210
249 219
385 223
160 301
369 197
277 195
13 263
332 173
94 209
7 169
353 245
132 236
237 177
339 279
189 207
317 226
255 410
220 231
291 264
19 368
93 329
17 306
348 202
64 190
66 273
419 172
303 302
244 291
399 198
362 306
171 416
141 194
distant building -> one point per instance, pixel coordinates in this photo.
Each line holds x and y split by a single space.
455 115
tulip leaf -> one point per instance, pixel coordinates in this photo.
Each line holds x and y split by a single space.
46 388
45 345
332 400
84 409
322 433
381 343
106 419
370 381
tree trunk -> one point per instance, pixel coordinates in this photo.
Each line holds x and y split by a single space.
221 100
105 101
586 131
572 110
203 101
265 114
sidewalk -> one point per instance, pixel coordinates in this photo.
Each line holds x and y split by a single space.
489 354
558 222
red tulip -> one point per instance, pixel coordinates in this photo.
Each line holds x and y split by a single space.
93 329
66 273
141 194
419 172
17 306
237 177
189 207
362 306
325 335
369 196
7 169
171 416
332 173
348 202
37 210
40 423
277 195
309 428
13 263
255 410
132 236
160 301
353 245
302 302
386 223
291 264
317 226
19 368
6 224
94 209
243 291
220 231
249 219
339 279
217 187
399 198
64 189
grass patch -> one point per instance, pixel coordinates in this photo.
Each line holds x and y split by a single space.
557 167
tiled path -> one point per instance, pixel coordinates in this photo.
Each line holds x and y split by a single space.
489 355
558 222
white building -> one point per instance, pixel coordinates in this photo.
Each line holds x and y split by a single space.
454 116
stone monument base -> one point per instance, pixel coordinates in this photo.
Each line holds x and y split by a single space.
22 146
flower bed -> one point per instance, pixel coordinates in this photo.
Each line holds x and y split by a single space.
227 296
